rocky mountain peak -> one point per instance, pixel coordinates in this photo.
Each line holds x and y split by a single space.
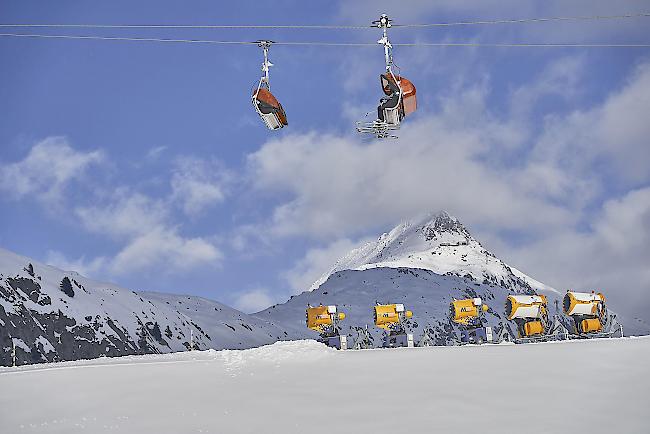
437 242
443 222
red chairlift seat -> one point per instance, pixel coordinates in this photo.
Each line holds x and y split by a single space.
269 108
400 100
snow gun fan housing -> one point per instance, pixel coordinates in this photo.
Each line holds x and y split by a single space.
530 313
391 318
588 311
325 320
468 314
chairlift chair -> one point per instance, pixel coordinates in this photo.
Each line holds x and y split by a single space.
399 100
266 104
269 109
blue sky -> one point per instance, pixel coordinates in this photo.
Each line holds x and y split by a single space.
145 164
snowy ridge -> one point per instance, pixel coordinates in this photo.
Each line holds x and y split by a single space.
90 319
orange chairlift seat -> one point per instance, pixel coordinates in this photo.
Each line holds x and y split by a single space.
266 104
269 109
400 100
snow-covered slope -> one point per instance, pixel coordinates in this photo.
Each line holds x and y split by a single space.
302 386
424 292
89 319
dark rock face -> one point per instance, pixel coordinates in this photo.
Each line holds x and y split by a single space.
29 288
56 337
66 287
443 223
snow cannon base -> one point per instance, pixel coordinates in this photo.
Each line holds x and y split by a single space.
340 342
554 330
611 331
393 340
478 335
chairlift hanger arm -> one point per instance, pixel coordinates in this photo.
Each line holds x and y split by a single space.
266 64
384 23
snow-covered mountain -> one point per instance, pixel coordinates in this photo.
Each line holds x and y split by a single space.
59 315
423 264
436 242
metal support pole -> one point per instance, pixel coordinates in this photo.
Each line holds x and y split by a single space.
384 23
13 353
266 64
387 50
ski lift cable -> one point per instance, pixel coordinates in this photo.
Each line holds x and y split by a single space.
524 44
530 20
332 27
324 43
185 26
124 38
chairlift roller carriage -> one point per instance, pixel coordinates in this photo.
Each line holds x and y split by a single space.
399 100
266 104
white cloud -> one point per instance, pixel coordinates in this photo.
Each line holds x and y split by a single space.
162 248
152 242
125 214
155 152
48 168
559 78
316 262
143 223
625 223
198 184
254 300
607 141
88 268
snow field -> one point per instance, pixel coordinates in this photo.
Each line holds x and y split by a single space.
597 386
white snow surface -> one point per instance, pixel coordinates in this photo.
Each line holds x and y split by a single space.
303 386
